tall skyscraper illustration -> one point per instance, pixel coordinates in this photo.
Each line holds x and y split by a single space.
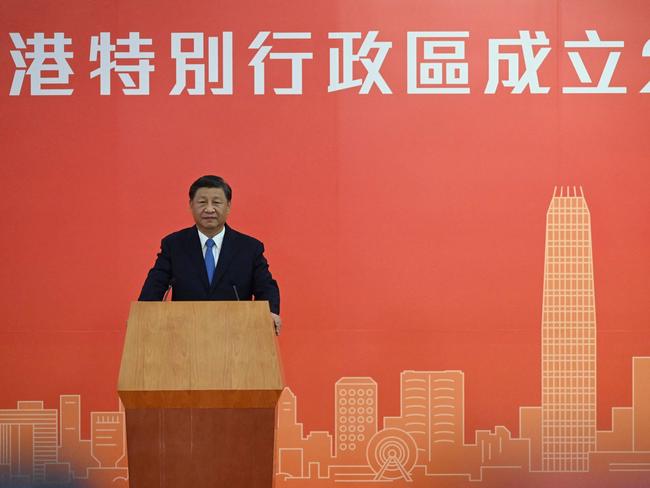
568 336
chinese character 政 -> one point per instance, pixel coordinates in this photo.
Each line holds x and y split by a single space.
347 57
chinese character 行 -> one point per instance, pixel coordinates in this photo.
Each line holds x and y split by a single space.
296 61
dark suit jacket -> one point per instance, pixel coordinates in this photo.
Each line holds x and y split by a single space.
241 264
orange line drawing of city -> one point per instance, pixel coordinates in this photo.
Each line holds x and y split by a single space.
44 446
558 441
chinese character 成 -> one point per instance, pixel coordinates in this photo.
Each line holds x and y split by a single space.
532 62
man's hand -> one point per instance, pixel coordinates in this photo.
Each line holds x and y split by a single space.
277 323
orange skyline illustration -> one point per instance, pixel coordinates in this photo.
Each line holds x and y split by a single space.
44 446
558 441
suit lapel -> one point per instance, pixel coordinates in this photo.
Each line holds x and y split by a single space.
195 252
228 250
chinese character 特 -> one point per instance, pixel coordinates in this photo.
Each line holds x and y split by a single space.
111 58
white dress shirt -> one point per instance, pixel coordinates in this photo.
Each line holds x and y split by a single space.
218 242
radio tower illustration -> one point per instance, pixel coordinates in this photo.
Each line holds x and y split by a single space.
568 336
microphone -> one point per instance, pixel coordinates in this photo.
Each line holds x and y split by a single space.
234 287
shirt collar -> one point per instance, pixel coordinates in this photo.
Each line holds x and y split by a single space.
218 239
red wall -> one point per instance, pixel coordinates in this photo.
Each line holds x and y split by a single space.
406 231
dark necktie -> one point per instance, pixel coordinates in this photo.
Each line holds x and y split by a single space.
209 260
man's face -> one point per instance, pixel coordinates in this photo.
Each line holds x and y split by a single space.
210 209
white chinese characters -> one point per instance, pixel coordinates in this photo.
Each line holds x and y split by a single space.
446 70
434 62
603 86
37 57
219 61
134 76
345 57
264 50
518 79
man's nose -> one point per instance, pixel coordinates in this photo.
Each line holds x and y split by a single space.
210 209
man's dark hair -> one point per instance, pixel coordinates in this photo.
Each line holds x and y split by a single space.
211 181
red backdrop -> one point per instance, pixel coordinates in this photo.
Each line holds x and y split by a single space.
406 231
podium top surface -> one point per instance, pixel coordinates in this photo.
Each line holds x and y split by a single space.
199 348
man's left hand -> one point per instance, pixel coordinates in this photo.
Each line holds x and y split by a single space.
277 323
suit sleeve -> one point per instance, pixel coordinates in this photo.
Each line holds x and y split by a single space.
264 286
159 277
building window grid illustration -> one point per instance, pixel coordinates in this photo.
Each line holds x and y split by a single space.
356 407
568 398
418 415
4 444
432 412
441 392
43 425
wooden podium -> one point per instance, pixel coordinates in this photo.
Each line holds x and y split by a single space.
199 382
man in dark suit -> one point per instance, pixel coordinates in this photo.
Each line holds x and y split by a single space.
212 261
